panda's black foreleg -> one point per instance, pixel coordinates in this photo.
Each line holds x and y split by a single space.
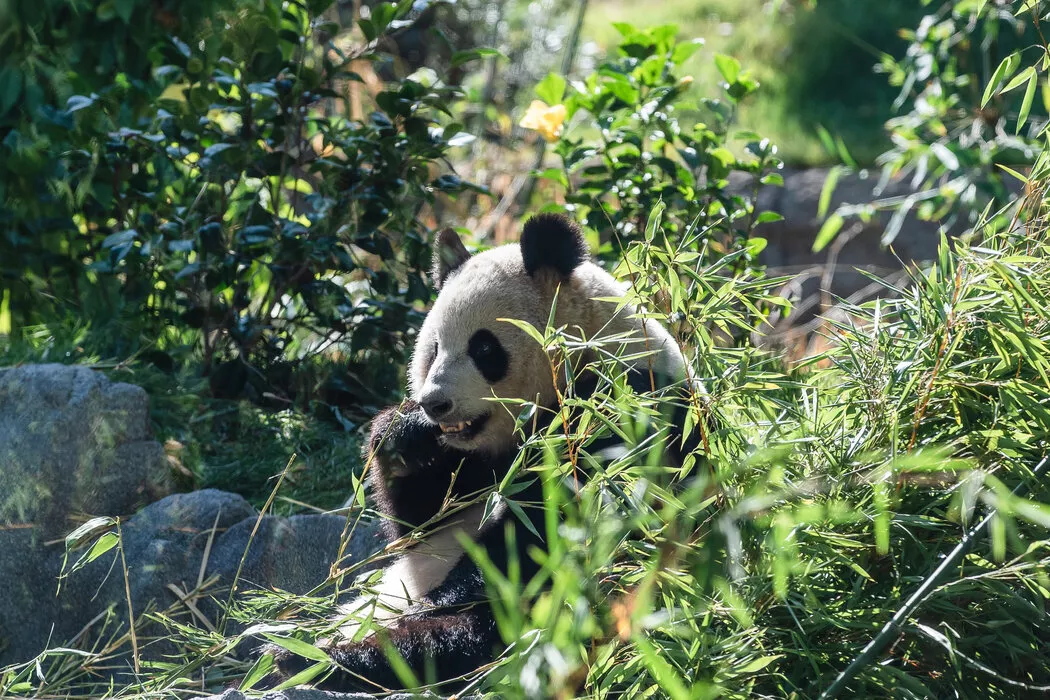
408 472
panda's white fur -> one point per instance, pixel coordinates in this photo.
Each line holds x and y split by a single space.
416 572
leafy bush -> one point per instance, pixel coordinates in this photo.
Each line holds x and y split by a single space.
813 59
824 500
631 153
52 52
221 199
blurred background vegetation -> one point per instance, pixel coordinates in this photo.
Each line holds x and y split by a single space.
815 61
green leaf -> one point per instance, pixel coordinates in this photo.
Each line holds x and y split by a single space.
382 15
299 647
728 66
826 139
527 328
216 149
10 88
306 675
397 662
555 174
684 51
88 529
768 217
828 232
461 57
551 89
79 102
758 664
1019 78
259 670
653 223
1013 172
1026 103
102 545
1006 68
756 245
724 156
670 682
367 28
827 190
124 9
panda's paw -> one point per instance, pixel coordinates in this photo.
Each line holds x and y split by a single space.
403 438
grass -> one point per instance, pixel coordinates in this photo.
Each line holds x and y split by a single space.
816 65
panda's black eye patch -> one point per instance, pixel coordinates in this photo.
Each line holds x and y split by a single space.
488 355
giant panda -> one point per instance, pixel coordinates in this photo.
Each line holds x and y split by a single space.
451 442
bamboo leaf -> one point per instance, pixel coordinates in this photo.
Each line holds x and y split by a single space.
1005 69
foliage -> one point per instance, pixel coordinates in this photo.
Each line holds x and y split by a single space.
46 46
625 152
233 209
969 83
813 59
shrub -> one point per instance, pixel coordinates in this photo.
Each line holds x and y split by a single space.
624 151
52 52
219 198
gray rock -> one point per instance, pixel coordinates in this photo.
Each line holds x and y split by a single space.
164 546
817 278
72 442
283 553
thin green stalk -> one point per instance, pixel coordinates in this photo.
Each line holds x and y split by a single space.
251 538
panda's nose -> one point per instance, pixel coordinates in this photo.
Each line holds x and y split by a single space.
436 406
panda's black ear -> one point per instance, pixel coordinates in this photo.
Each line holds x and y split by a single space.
552 241
449 254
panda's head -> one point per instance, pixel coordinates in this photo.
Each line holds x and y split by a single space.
465 355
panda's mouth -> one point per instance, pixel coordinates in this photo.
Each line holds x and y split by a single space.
465 429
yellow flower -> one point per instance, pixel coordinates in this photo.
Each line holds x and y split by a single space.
545 119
